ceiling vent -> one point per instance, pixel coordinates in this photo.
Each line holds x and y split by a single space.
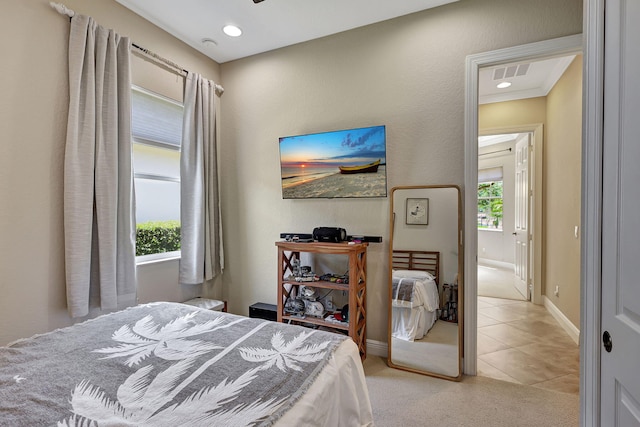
511 71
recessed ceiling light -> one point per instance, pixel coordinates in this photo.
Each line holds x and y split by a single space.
503 85
232 30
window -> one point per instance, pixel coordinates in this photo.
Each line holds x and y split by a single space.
490 199
157 133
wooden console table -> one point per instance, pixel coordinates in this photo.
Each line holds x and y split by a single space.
356 288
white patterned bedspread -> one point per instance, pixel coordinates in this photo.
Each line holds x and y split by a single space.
168 364
412 292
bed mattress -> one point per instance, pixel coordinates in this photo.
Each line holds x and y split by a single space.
169 364
415 306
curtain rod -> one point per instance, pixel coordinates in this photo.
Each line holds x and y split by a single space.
64 10
494 152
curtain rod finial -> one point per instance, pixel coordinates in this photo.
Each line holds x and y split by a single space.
62 9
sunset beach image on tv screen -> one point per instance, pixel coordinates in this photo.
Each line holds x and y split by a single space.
345 163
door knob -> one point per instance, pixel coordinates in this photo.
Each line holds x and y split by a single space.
514 233
606 340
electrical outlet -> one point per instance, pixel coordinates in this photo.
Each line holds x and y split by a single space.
557 291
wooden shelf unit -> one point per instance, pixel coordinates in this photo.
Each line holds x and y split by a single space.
356 288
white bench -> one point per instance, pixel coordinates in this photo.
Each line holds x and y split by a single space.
207 304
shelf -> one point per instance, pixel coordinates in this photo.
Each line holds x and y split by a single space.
356 289
319 284
322 248
316 321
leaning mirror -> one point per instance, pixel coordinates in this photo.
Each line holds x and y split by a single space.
425 280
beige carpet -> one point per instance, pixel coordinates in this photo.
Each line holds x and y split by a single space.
405 399
497 282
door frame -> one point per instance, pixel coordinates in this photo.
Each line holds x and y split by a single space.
537 142
591 216
544 49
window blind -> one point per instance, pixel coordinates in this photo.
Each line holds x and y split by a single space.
490 174
155 118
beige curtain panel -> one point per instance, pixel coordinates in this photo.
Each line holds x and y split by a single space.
99 214
200 225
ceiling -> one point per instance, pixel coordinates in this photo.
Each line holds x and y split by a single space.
268 25
487 140
272 24
528 79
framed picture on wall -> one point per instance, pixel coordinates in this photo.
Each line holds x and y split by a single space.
417 211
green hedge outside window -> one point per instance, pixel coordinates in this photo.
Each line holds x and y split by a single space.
156 237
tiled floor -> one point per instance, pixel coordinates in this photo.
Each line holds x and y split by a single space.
521 342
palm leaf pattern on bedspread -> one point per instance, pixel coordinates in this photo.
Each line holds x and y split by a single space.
199 369
141 397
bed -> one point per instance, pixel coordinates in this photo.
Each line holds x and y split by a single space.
415 297
170 364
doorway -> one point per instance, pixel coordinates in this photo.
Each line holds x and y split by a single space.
503 215
535 51
513 334
514 337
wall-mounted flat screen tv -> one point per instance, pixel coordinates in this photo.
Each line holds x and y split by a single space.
339 164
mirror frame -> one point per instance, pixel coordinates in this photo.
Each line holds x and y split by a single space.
460 282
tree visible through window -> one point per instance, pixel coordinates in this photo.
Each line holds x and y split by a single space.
157 136
490 205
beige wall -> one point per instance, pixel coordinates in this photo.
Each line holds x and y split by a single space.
406 73
560 112
562 188
33 110
512 113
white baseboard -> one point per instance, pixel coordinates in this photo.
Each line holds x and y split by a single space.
377 348
566 324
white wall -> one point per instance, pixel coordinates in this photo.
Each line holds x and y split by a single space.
406 73
441 234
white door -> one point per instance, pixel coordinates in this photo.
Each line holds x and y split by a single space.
620 364
521 232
